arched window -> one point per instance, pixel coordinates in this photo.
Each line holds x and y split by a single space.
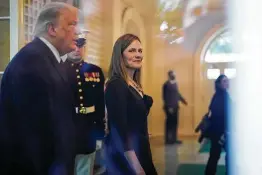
219 57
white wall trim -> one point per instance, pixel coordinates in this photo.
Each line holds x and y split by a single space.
14 27
4 17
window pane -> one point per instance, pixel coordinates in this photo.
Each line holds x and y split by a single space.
213 73
4 44
31 10
4 8
220 49
230 72
220 57
76 3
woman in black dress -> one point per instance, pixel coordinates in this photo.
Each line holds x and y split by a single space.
219 112
127 147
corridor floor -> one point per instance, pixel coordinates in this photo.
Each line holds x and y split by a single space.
182 159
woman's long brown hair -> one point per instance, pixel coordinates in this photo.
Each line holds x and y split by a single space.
117 65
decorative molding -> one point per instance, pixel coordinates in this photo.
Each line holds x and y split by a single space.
210 40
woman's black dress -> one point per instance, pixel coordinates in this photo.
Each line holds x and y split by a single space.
127 122
220 109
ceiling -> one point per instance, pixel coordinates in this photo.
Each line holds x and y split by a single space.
152 8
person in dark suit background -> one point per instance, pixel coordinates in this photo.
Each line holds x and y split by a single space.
171 98
87 81
37 133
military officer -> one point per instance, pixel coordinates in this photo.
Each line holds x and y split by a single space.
87 82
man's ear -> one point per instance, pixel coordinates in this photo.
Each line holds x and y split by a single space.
51 29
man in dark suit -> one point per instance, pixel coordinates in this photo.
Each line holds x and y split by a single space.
172 97
37 133
87 81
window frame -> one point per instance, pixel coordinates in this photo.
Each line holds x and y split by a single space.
6 18
14 19
210 64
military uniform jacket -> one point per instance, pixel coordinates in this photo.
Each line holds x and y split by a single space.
87 82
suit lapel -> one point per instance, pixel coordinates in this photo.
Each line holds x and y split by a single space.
60 69
71 74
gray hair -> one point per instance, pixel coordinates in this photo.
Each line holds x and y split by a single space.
48 14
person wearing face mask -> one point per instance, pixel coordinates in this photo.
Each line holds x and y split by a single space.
87 83
219 111
127 147
171 98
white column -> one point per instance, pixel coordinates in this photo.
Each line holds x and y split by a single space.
14 27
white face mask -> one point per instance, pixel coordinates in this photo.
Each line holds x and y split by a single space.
74 56
172 81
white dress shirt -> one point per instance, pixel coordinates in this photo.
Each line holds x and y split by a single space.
53 49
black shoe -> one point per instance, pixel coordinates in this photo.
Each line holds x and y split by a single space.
169 143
